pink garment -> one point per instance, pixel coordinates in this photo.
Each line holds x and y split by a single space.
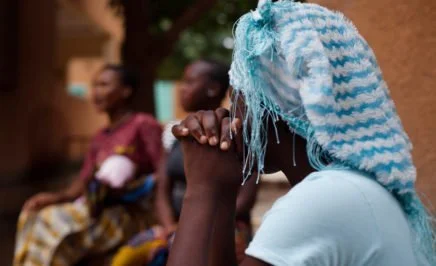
138 138
116 171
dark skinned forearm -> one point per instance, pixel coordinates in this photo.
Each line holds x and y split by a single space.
246 197
163 205
164 210
74 191
194 232
222 251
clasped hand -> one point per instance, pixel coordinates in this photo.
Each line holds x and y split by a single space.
212 148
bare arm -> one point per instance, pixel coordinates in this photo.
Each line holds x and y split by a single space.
244 203
74 191
45 199
194 232
222 250
207 222
246 196
208 214
210 203
163 195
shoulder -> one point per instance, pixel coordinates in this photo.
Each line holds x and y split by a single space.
329 204
98 136
340 191
322 216
145 119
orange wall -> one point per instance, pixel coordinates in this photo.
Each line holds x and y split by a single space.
38 116
403 36
24 106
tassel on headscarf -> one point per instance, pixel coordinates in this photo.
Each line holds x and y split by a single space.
309 67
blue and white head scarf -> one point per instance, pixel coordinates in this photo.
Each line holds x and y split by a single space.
310 67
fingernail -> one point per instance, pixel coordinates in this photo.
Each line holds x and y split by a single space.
203 139
224 145
213 141
185 131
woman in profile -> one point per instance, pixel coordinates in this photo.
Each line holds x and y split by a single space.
99 210
310 100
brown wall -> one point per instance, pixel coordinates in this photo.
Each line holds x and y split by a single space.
35 83
403 36
38 115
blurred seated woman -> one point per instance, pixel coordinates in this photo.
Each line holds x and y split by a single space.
204 86
100 210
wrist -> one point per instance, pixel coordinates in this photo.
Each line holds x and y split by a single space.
171 229
169 225
211 193
61 197
64 197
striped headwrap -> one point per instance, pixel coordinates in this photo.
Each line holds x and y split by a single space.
310 67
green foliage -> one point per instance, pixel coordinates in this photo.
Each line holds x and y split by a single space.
209 37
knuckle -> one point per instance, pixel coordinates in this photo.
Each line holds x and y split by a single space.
190 117
225 122
209 114
199 114
222 111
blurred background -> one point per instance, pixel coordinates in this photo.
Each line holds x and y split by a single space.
50 50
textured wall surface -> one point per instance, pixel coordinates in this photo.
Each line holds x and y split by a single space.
35 83
403 36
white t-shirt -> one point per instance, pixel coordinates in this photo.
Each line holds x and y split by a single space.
334 218
168 138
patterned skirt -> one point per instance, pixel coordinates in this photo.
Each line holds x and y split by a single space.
63 234
146 249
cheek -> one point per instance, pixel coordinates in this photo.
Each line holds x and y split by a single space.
103 92
93 95
114 97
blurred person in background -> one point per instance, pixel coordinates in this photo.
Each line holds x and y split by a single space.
204 86
99 210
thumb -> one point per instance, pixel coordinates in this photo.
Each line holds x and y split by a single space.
180 131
